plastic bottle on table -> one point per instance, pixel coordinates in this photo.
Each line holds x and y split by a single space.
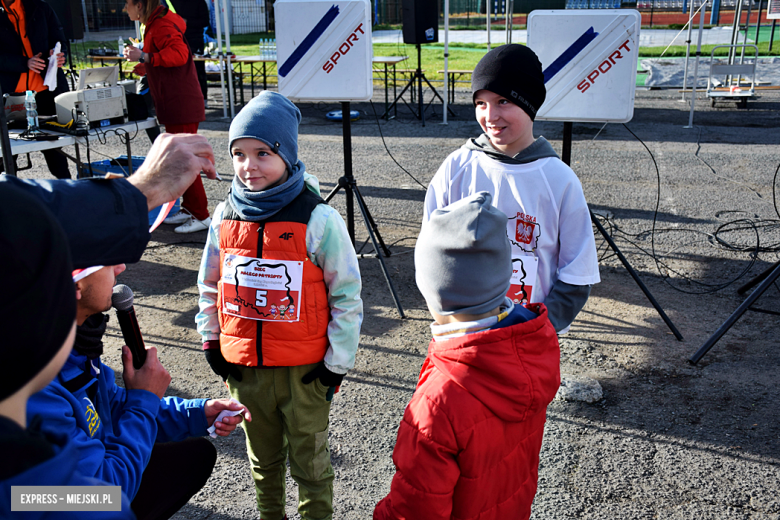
32 110
120 45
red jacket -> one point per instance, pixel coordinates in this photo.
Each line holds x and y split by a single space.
468 445
173 81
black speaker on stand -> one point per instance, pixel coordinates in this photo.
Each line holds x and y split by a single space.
421 21
421 25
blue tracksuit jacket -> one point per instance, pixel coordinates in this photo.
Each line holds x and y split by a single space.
114 429
59 470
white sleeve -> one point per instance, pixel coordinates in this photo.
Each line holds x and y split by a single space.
207 320
330 248
577 259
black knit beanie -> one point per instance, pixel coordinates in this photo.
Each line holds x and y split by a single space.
514 72
37 296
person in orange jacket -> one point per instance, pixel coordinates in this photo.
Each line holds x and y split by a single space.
29 32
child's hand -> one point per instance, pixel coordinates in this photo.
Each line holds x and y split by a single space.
326 377
220 365
225 425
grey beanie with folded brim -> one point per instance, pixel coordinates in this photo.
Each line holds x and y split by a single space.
273 119
463 259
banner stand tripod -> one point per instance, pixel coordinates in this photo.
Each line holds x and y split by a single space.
416 81
349 184
566 157
766 279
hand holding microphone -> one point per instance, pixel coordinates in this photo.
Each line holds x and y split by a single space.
146 373
122 301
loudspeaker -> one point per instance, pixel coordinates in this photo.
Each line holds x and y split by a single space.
421 21
70 17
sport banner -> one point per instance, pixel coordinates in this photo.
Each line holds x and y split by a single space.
261 288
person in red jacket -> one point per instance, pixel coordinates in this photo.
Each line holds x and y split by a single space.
468 445
166 61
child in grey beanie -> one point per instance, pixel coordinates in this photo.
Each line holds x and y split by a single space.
468 445
462 260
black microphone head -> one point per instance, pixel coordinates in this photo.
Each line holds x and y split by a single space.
122 298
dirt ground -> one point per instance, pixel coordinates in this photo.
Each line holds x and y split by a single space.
669 440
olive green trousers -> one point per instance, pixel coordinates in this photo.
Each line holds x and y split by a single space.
288 418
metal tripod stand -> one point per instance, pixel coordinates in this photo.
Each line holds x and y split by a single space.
416 81
349 184
766 279
566 157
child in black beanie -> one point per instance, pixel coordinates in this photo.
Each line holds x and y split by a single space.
553 250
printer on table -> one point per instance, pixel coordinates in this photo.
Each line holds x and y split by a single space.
98 97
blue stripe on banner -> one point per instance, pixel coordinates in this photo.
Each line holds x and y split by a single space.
309 41
569 54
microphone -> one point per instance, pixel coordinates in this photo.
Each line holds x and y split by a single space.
122 301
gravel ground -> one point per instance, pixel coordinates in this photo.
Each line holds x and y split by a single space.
669 440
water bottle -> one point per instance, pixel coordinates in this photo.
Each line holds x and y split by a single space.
120 45
32 111
273 49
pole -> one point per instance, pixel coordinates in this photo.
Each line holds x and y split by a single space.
566 151
696 67
487 21
744 40
735 32
420 103
86 25
507 21
512 22
715 12
772 34
688 47
219 58
758 20
229 67
446 58
652 9
346 132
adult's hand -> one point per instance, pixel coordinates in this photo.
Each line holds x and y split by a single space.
36 63
227 424
152 377
132 53
60 57
171 165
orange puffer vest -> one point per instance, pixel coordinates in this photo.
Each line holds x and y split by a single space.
281 237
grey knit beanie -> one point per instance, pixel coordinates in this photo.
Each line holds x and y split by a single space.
273 119
463 259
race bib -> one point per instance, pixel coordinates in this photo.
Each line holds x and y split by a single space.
523 279
261 288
